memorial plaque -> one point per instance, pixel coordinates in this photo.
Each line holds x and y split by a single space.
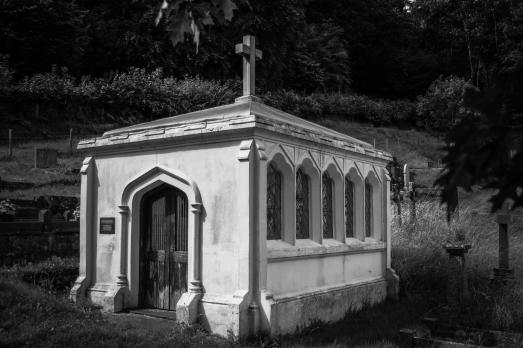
106 225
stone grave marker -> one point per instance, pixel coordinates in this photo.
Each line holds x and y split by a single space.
406 176
45 158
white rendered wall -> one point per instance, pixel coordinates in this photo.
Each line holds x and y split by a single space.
294 276
215 169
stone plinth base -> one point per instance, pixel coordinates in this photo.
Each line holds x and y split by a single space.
109 296
187 308
79 288
393 284
286 315
226 315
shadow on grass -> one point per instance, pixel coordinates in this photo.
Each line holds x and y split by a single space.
30 316
377 326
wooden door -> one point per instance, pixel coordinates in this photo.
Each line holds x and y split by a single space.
163 245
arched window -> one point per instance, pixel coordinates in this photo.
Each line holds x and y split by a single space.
349 208
274 198
368 209
327 183
302 205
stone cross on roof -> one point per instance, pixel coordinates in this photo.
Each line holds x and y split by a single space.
250 54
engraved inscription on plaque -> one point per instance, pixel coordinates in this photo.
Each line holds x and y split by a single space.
107 225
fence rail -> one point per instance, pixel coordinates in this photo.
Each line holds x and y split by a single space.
37 227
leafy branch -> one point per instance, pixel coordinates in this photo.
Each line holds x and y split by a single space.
190 17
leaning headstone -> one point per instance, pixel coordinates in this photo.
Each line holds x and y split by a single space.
45 158
504 219
406 176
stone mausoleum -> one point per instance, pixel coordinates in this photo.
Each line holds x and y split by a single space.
241 217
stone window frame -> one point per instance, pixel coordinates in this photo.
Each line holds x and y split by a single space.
315 229
281 163
354 175
376 232
338 216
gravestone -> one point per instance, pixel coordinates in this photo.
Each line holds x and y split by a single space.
45 158
457 283
406 176
504 218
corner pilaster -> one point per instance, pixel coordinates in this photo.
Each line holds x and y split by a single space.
87 250
188 304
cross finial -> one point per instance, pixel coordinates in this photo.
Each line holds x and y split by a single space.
250 54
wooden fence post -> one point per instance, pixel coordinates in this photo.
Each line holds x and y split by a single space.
10 142
70 140
398 203
412 195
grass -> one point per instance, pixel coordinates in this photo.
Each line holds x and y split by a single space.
408 145
418 257
31 312
31 316
420 260
58 181
61 181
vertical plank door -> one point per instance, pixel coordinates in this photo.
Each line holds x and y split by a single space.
164 248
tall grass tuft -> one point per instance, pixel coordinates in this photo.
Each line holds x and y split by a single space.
421 261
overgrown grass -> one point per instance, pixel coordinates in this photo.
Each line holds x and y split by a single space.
55 275
32 313
30 317
421 262
409 146
61 180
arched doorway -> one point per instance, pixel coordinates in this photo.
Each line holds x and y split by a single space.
163 247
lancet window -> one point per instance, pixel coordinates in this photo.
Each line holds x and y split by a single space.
368 209
327 187
274 203
349 208
302 205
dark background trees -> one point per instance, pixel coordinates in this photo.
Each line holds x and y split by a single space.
380 48
393 49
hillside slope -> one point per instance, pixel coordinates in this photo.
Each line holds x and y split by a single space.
414 147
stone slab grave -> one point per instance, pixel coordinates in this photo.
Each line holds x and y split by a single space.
437 334
45 158
241 217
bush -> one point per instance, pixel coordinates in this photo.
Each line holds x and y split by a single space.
349 106
138 95
128 97
442 105
55 274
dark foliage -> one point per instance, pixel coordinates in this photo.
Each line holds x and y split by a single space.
488 150
377 47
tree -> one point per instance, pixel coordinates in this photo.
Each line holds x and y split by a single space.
39 33
190 17
489 150
321 60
